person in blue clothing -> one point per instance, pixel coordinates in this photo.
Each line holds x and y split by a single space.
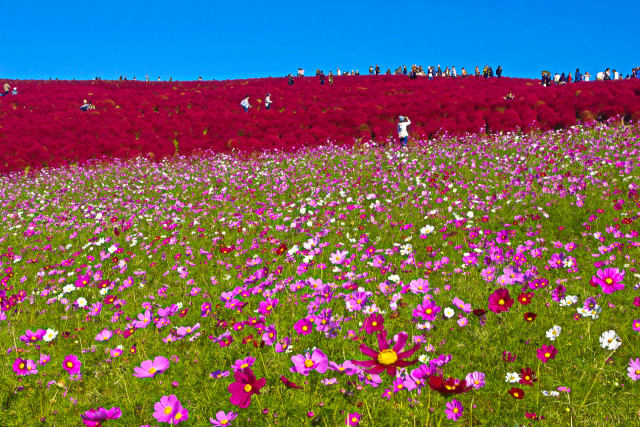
578 76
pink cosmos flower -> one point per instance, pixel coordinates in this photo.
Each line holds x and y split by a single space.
317 361
240 364
30 336
104 335
223 419
609 279
149 368
169 410
95 417
546 352
453 410
634 369
72 364
475 379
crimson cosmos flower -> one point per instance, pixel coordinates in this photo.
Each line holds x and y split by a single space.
387 359
245 386
449 386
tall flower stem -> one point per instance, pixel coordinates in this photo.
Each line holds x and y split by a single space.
594 380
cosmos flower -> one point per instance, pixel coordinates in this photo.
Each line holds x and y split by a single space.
169 410
24 367
500 300
223 419
303 365
634 369
449 386
609 279
610 340
245 386
453 410
546 353
387 359
517 393
149 368
95 417
72 364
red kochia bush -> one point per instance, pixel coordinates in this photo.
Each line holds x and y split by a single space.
44 125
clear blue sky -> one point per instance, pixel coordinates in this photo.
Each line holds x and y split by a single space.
238 39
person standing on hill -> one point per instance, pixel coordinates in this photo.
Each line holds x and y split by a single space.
403 134
5 89
245 104
290 82
499 71
322 77
267 101
578 76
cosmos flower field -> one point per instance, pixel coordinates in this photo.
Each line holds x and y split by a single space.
483 280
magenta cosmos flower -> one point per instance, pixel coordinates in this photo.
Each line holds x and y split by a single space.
500 300
149 368
453 410
95 417
72 364
387 359
317 361
303 326
352 419
546 352
223 419
609 279
244 387
374 323
24 367
169 410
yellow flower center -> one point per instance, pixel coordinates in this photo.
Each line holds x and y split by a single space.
21 365
547 354
247 388
308 363
428 311
304 328
455 410
269 307
223 422
152 370
387 357
178 416
167 410
516 394
608 281
501 302
374 323
69 364
244 365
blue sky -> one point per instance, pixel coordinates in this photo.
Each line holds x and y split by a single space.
239 39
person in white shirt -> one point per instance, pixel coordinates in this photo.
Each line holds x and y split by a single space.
402 130
267 101
245 103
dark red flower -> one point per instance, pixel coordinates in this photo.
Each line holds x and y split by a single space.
289 383
530 317
517 393
527 376
525 298
449 386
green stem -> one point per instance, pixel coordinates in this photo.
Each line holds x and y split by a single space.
594 380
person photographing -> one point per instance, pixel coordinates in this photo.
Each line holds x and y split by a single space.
403 134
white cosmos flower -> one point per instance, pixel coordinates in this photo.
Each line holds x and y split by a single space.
81 302
448 312
50 335
427 229
68 288
394 278
512 377
554 332
610 340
